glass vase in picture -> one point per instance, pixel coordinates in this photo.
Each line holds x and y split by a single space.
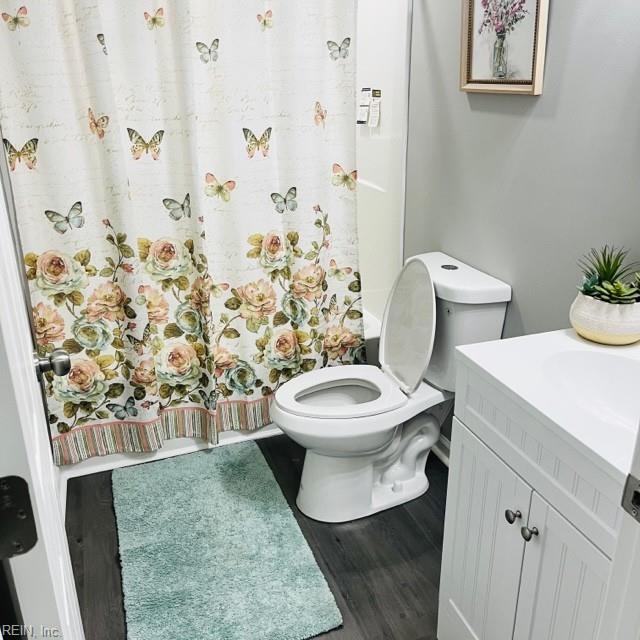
500 57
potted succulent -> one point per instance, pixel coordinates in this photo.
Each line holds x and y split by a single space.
607 308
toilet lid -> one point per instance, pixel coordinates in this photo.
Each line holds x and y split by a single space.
408 327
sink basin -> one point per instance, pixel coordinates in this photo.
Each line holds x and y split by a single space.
587 393
605 385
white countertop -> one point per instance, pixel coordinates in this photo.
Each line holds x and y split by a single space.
589 392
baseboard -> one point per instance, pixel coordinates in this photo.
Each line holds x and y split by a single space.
442 449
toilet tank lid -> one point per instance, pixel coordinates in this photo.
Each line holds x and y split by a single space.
455 281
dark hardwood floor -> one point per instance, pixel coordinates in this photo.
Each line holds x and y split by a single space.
383 570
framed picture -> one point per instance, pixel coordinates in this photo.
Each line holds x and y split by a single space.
503 46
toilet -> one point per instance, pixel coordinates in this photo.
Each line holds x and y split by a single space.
368 430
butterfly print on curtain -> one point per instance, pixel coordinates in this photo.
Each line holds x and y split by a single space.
174 332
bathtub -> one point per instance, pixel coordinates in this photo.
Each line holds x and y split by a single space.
371 336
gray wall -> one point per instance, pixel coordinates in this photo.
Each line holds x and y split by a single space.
519 186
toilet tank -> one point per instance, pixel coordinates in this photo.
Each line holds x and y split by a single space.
470 307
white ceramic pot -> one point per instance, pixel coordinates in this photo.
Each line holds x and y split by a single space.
614 324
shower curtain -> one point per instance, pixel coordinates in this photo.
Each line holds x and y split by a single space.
185 185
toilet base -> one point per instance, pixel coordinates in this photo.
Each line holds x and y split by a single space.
339 489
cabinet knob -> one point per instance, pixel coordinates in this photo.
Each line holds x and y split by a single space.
512 516
527 533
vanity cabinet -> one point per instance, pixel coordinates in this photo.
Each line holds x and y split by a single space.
564 580
513 566
482 554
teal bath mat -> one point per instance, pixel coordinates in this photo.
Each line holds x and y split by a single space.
211 551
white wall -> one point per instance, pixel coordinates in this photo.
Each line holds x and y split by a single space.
521 186
383 61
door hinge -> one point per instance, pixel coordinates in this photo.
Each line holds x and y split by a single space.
631 497
17 526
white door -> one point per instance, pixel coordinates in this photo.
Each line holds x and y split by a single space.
564 580
482 554
42 576
621 619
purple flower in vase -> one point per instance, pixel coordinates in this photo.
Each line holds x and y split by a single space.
501 16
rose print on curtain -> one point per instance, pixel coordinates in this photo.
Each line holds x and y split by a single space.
185 237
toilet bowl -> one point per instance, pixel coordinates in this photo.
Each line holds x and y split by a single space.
330 412
371 455
368 430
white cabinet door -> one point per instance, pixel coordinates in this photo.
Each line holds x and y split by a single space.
564 580
482 554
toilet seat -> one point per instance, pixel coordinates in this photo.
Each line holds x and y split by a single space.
409 326
389 397
354 435
406 344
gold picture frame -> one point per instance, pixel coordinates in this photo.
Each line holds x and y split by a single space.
485 66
